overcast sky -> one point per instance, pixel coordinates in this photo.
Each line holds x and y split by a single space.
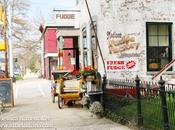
45 7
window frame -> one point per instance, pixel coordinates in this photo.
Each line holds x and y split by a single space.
169 24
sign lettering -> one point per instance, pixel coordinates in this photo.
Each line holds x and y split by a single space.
125 65
65 16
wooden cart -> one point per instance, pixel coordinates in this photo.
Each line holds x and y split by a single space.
57 75
68 87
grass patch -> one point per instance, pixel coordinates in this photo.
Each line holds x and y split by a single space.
18 77
124 112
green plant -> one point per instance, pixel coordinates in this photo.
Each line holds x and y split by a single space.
96 108
127 112
18 77
89 71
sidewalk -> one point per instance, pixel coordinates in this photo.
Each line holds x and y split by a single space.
30 75
33 105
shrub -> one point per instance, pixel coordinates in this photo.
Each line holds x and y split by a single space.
96 108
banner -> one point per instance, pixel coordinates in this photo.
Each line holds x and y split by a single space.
2 15
2 45
2 60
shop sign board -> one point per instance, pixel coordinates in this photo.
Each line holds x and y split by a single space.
2 45
121 65
73 61
67 18
6 91
123 52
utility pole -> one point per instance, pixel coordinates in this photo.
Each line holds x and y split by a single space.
5 40
10 39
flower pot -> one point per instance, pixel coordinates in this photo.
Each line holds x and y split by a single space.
89 78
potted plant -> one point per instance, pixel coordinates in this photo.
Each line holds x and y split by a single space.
96 109
89 74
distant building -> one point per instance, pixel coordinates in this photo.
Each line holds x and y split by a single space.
136 37
65 55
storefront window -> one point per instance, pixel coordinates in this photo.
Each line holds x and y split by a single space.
159 46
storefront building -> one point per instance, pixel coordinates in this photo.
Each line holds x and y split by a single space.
64 55
136 36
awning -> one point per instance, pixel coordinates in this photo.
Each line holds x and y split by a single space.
51 55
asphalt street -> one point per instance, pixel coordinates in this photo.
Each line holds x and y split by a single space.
34 110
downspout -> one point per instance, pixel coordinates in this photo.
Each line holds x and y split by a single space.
96 37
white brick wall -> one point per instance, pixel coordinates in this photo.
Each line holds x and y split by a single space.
127 17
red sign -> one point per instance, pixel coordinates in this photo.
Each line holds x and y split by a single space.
121 65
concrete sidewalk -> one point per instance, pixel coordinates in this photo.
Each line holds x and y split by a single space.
34 110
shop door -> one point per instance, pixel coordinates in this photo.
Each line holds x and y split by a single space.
70 59
70 54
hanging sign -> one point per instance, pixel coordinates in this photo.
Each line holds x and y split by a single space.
73 61
2 45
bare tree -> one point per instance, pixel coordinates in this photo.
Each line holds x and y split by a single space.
19 20
26 37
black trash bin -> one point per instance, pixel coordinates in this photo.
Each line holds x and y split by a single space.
95 96
14 79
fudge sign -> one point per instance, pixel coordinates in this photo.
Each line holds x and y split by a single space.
118 43
65 16
121 65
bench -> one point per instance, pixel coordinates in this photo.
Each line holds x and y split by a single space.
71 85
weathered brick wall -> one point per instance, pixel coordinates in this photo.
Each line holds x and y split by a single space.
127 19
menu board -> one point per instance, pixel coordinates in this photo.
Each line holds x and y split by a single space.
6 91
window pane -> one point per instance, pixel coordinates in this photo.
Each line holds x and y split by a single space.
158 46
153 41
163 29
163 41
152 30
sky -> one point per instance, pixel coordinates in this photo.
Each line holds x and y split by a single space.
45 7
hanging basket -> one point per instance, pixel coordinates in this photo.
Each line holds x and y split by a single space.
89 74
